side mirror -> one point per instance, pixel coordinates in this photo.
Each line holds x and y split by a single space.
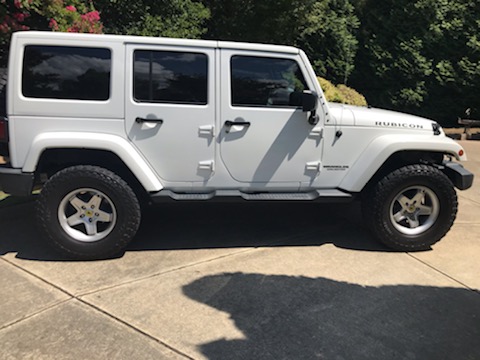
309 101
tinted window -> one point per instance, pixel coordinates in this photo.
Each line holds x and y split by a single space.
63 72
259 81
174 77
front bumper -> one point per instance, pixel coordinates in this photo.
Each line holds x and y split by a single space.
16 182
458 175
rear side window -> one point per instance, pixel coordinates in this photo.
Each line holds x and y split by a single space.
64 72
170 77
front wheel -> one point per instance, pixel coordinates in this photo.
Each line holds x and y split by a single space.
88 212
411 208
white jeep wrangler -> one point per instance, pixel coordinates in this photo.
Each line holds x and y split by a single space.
101 122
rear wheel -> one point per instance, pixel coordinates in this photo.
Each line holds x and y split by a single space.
411 208
88 212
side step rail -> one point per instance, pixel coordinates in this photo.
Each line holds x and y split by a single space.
328 195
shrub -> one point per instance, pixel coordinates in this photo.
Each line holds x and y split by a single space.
341 93
351 96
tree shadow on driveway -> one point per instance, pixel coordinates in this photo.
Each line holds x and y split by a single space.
207 225
284 317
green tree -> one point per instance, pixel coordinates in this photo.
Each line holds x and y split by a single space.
329 38
325 29
267 21
170 18
420 56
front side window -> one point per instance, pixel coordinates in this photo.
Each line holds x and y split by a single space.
261 81
170 77
65 72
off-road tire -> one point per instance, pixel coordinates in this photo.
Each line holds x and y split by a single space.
394 215
66 195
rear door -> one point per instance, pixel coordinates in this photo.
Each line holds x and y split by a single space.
170 109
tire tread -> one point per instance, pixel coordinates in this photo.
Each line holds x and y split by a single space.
377 219
45 216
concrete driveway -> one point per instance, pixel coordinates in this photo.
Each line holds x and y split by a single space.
245 281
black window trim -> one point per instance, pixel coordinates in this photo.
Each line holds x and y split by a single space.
150 90
72 46
271 107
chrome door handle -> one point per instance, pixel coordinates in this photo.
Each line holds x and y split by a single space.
229 124
140 120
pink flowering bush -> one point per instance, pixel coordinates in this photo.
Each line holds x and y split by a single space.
55 15
73 16
13 14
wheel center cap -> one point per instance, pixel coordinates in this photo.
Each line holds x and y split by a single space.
89 213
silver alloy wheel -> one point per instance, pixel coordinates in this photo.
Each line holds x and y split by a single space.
414 210
87 215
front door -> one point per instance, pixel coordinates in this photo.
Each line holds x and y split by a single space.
265 139
170 109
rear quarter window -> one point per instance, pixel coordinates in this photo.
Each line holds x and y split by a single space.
65 72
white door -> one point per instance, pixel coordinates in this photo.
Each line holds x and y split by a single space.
170 109
264 138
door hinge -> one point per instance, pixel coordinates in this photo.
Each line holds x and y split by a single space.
313 166
316 132
208 130
207 165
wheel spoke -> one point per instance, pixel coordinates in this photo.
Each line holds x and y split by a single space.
399 216
91 228
94 202
77 203
413 223
404 201
418 198
74 220
425 210
104 216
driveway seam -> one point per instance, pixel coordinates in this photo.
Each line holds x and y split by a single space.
443 273
95 308
169 271
468 198
125 323
15 322
206 261
38 277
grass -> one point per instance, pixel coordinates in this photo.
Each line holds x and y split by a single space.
8 200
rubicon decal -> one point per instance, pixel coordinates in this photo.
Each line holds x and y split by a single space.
335 167
398 125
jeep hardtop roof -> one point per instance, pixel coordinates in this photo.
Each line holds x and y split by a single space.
48 36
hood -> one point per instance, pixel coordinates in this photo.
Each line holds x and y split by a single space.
349 115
